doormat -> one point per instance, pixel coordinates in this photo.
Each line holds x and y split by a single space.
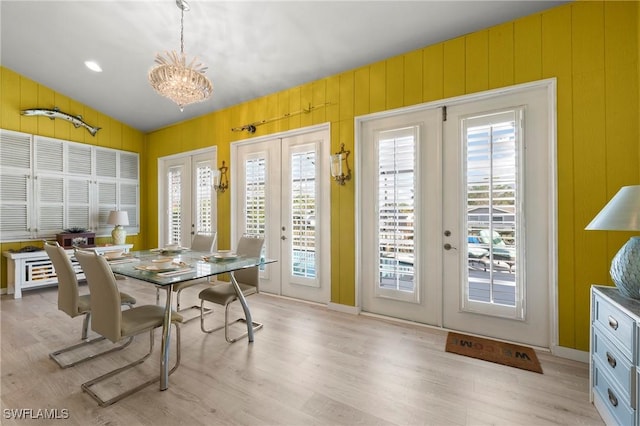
494 351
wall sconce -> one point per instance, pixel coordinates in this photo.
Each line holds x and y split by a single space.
220 179
337 169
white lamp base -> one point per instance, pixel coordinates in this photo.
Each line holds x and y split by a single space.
625 268
119 235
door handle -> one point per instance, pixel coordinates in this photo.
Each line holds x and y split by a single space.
448 246
283 238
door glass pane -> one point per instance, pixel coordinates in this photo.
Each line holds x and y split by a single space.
255 196
204 201
396 189
492 208
303 207
174 180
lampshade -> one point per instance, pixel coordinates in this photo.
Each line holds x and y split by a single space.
118 217
622 213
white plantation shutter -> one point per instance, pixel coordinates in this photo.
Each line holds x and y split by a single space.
204 197
255 195
492 155
15 185
128 165
49 155
106 163
175 178
396 189
50 196
303 210
78 206
79 159
48 185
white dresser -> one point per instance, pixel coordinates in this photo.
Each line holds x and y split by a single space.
34 269
615 355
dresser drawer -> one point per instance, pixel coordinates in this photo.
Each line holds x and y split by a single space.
618 325
611 396
611 360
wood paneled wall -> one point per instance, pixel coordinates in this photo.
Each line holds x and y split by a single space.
590 47
18 92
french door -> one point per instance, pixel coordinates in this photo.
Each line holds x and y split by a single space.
462 234
187 197
281 191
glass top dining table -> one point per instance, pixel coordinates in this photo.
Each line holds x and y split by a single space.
186 265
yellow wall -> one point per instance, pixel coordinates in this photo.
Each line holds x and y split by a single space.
18 93
592 48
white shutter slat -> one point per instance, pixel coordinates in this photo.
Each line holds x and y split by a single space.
15 150
79 159
106 163
49 154
128 165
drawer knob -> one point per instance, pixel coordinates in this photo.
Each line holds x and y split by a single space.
612 398
613 323
611 360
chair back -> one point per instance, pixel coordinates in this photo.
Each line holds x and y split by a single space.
106 314
249 246
204 242
67 280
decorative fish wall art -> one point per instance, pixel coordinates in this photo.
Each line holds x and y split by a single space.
56 113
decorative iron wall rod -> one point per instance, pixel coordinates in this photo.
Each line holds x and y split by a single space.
251 127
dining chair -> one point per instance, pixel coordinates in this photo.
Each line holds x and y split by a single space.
201 243
224 293
115 324
73 304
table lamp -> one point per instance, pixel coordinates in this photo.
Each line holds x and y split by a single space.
118 218
622 213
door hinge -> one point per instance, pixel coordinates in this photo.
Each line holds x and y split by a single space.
444 113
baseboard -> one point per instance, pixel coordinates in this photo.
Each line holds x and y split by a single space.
572 354
343 308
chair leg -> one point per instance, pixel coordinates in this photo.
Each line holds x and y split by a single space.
256 325
85 342
86 387
200 309
202 314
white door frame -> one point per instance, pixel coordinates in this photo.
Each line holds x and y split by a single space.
324 275
162 218
550 86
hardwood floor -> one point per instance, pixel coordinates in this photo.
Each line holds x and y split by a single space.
308 366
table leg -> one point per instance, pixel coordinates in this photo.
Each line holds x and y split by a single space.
166 340
245 307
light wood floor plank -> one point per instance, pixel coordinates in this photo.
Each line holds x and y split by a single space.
308 366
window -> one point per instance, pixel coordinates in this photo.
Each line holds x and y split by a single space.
492 149
48 185
396 189
303 202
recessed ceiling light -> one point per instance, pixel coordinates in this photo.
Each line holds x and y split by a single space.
93 66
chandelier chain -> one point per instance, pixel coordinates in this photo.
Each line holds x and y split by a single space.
182 30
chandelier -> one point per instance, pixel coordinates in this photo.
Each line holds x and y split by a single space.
174 79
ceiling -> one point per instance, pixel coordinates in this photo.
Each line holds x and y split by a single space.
251 48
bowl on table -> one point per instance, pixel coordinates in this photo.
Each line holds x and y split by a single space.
114 254
162 263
